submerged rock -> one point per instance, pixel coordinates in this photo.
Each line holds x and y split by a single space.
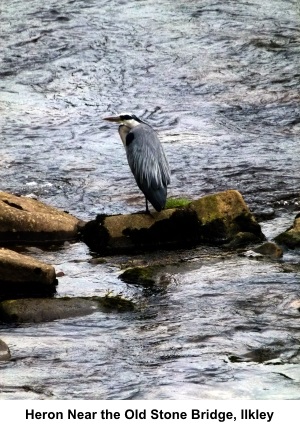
214 219
4 351
152 279
263 355
26 220
41 310
144 276
118 303
267 249
291 237
23 276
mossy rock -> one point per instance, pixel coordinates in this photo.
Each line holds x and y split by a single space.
241 240
118 303
291 237
214 219
269 249
143 276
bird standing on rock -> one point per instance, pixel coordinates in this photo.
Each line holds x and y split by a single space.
146 158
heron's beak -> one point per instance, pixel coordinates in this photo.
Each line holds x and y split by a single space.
112 118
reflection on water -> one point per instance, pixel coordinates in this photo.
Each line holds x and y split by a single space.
219 82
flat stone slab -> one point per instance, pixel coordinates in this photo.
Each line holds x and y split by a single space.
216 219
42 310
25 276
26 220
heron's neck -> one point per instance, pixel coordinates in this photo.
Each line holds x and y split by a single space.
123 131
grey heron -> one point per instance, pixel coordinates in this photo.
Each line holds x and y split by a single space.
146 158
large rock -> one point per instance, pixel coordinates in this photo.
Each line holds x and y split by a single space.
42 310
23 219
291 237
24 276
214 219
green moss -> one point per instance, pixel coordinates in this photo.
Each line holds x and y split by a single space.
139 276
116 302
208 208
176 202
289 238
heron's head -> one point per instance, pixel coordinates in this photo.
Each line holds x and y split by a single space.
127 119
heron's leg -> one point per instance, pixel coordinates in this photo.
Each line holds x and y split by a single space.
147 209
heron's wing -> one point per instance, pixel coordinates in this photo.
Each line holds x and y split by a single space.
148 162
146 158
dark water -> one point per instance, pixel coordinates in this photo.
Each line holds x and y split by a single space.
219 81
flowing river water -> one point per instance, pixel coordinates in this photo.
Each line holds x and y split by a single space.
219 81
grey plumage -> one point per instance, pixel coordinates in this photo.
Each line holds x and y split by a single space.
146 158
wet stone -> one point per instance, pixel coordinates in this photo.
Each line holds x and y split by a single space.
23 276
26 220
4 351
40 310
291 237
242 239
143 276
277 352
214 219
269 249
151 279
118 303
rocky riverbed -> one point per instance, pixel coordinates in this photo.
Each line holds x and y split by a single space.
221 219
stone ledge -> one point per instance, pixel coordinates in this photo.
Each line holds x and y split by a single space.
215 219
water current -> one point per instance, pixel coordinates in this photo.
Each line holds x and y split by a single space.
219 81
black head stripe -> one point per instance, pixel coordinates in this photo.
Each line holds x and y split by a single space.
127 117
136 118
